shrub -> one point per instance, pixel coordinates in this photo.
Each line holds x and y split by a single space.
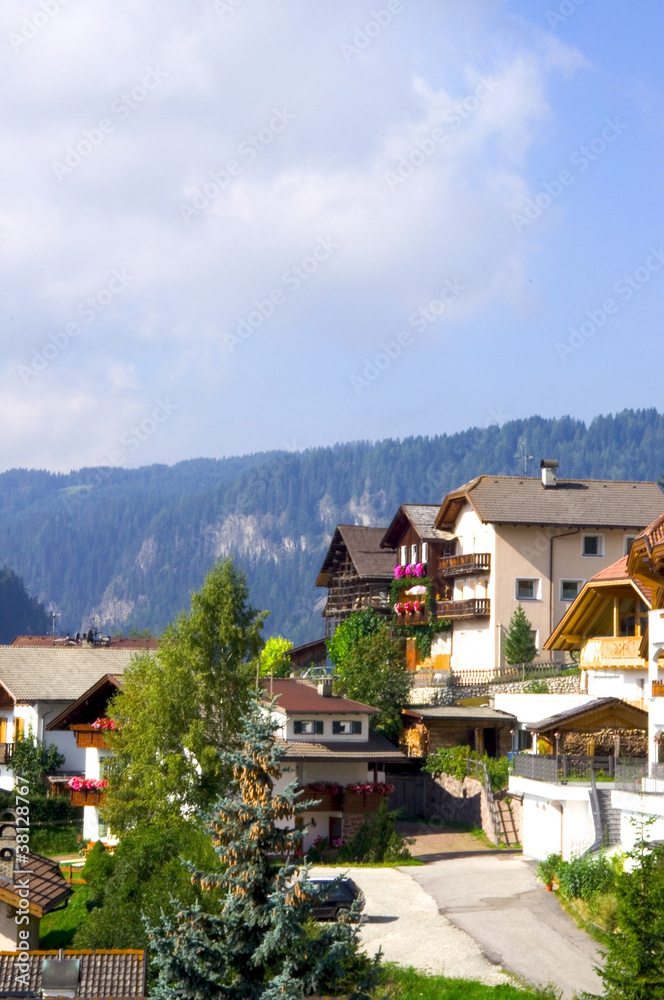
376 841
454 761
580 878
536 687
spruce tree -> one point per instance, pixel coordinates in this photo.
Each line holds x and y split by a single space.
256 947
519 645
634 956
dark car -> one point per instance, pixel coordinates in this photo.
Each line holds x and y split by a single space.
337 897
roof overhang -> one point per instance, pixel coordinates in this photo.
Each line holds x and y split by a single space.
577 623
606 713
90 705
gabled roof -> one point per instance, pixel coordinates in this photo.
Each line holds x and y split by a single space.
67 641
376 747
90 706
589 503
103 973
363 546
605 713
299 696
55 674
577 622
646 556
422 517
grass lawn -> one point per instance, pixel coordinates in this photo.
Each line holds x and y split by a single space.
49 840
410 984
57 929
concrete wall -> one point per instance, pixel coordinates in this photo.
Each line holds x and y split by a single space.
630 685
445 695
557 819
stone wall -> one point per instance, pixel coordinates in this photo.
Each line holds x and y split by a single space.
466 802
449 695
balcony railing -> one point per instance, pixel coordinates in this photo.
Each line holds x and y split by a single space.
563 768
475 608
86 797
416 618
635 776
6 752
474 562
86 736
658 689
607 650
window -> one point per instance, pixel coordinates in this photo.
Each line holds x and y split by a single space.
413 554
404 555
570 589
346 727
425 552
308 727
592 545
527 590
19 729
628 539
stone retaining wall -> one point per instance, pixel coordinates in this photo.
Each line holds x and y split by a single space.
449 695
464 802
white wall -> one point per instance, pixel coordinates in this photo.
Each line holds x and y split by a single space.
532 708
634 807
557 819
630 685
472 646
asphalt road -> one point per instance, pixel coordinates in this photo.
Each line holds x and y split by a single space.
475 917
517 924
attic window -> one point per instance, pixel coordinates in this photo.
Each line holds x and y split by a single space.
308 727
346 727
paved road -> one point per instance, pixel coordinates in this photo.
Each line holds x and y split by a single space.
403 920
518 925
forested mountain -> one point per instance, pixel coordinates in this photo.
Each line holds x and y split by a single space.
18 611
128 546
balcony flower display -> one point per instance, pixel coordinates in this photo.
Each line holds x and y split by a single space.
88 784
103 723
324 787
409 607
412 569
380 788
399 572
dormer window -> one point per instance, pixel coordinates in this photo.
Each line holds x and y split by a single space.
308 727
346 727
403 555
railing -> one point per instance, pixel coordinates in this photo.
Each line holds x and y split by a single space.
6 752
471 563
658 689
563 768
415 618
497 675
474 608
86 736
86 797
635 776
611 650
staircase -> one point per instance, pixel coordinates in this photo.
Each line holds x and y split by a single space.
508 833
610 818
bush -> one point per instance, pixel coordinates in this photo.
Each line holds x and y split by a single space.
454 761
377 841
52 810
536 687
580 878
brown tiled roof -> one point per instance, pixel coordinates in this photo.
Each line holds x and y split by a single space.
46 884
113 973
422 516
646 555
591 503
459 713
300 696
115 643
618 571
57 674
363 545
91 704
375 748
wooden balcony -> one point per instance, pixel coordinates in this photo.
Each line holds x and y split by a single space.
474 562
86 797
86 736
605 651
658 689
415 618
360 802
475 608
328 800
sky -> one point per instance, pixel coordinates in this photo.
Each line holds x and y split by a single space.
231 226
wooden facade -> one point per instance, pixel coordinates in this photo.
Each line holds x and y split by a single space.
357 574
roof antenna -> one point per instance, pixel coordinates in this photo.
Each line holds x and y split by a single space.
522 454
54 615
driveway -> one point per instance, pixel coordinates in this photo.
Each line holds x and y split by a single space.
403 920
518 925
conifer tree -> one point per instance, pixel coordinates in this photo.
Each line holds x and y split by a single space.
256 948
634 956
519 645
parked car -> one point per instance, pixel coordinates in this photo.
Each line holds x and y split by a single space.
337 897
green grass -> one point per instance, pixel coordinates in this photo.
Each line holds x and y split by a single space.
410 984
57 929
409 863
49 840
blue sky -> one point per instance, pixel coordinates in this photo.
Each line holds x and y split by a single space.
235 225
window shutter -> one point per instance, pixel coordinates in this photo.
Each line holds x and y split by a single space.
357 727
297 727
318 727
336 727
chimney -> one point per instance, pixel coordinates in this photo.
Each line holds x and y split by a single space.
325 687
549 469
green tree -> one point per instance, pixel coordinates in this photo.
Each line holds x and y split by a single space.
519 645
357 626
181 705
373 670
20 614
257 947
634 956
33 759
273 659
